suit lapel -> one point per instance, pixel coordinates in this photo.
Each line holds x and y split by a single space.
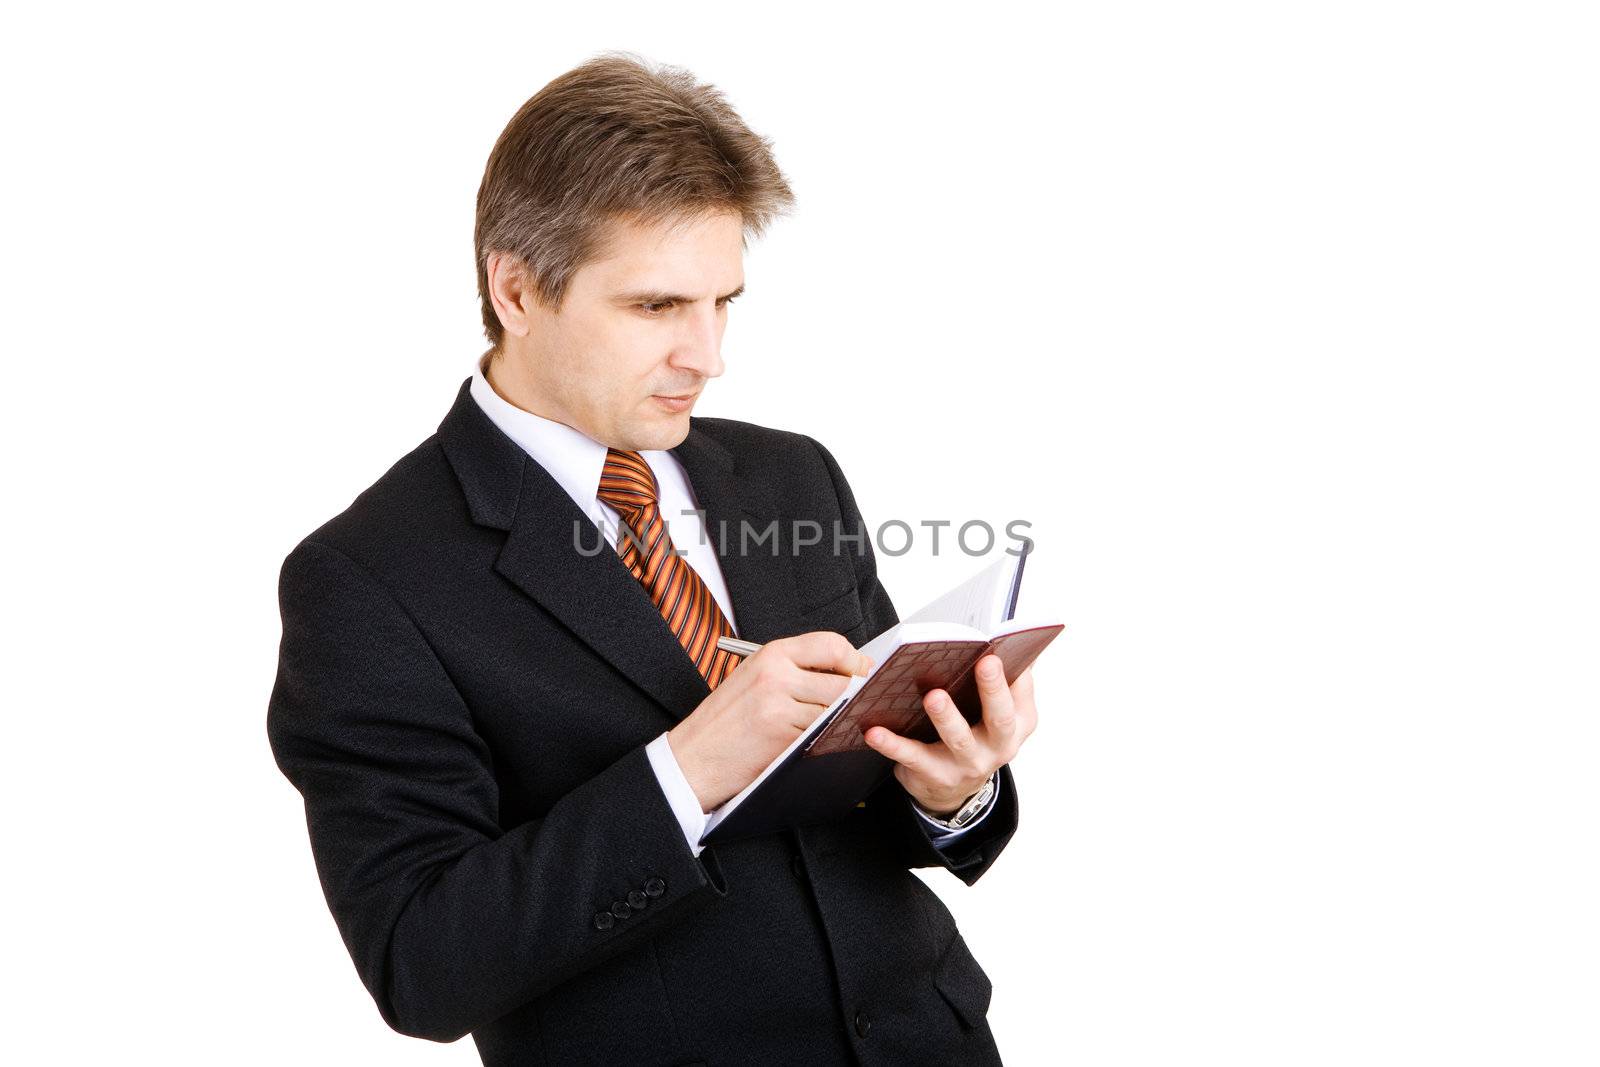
761 580
554 554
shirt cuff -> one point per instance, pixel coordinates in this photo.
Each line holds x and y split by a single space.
942 835
680 794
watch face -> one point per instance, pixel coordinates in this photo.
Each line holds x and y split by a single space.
967 812
973 806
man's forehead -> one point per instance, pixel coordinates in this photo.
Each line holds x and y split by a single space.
699 252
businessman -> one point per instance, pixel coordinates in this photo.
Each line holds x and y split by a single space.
499 690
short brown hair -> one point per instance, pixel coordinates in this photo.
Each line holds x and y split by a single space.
617 137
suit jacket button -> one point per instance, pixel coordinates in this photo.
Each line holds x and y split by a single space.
654 887
620 909
637 900
863 1024
603 920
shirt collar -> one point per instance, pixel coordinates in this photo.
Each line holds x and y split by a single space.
573 459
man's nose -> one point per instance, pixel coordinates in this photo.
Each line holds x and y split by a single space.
699 347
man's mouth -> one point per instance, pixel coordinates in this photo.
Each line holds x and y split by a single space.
680 402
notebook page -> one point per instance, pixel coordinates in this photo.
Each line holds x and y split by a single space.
982 601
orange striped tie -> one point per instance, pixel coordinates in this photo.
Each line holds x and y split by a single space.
628 484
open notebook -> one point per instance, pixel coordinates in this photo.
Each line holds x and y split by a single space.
830 767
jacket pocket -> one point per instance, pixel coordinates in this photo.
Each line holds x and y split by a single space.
963 982
840 613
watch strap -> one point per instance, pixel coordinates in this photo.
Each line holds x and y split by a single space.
964 814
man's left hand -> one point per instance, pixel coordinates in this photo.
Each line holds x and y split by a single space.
941 775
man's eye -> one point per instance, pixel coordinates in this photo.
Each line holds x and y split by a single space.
657 307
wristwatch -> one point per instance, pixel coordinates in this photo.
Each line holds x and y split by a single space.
964 814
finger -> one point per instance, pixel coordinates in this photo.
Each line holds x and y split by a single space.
814 687
823 650
1022 697
913 755
952 726
999 709
802 716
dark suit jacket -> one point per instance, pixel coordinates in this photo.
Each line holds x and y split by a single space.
464 701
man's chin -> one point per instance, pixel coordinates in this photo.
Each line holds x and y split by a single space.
662 432
680 430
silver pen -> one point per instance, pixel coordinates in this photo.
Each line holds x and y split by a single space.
744 649
738 647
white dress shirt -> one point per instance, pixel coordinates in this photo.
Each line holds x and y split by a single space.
575 461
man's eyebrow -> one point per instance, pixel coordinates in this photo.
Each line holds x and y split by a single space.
658 296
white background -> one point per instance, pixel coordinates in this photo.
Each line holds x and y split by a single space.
1277 321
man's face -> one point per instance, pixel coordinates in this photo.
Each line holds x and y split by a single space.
640 326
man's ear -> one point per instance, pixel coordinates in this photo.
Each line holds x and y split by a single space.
510 291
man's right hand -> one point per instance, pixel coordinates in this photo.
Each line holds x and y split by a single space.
758 709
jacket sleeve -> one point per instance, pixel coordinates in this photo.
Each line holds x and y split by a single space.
903 832
451 920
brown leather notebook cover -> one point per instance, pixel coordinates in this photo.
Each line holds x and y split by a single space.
892 697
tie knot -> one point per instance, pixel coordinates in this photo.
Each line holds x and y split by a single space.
626 481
